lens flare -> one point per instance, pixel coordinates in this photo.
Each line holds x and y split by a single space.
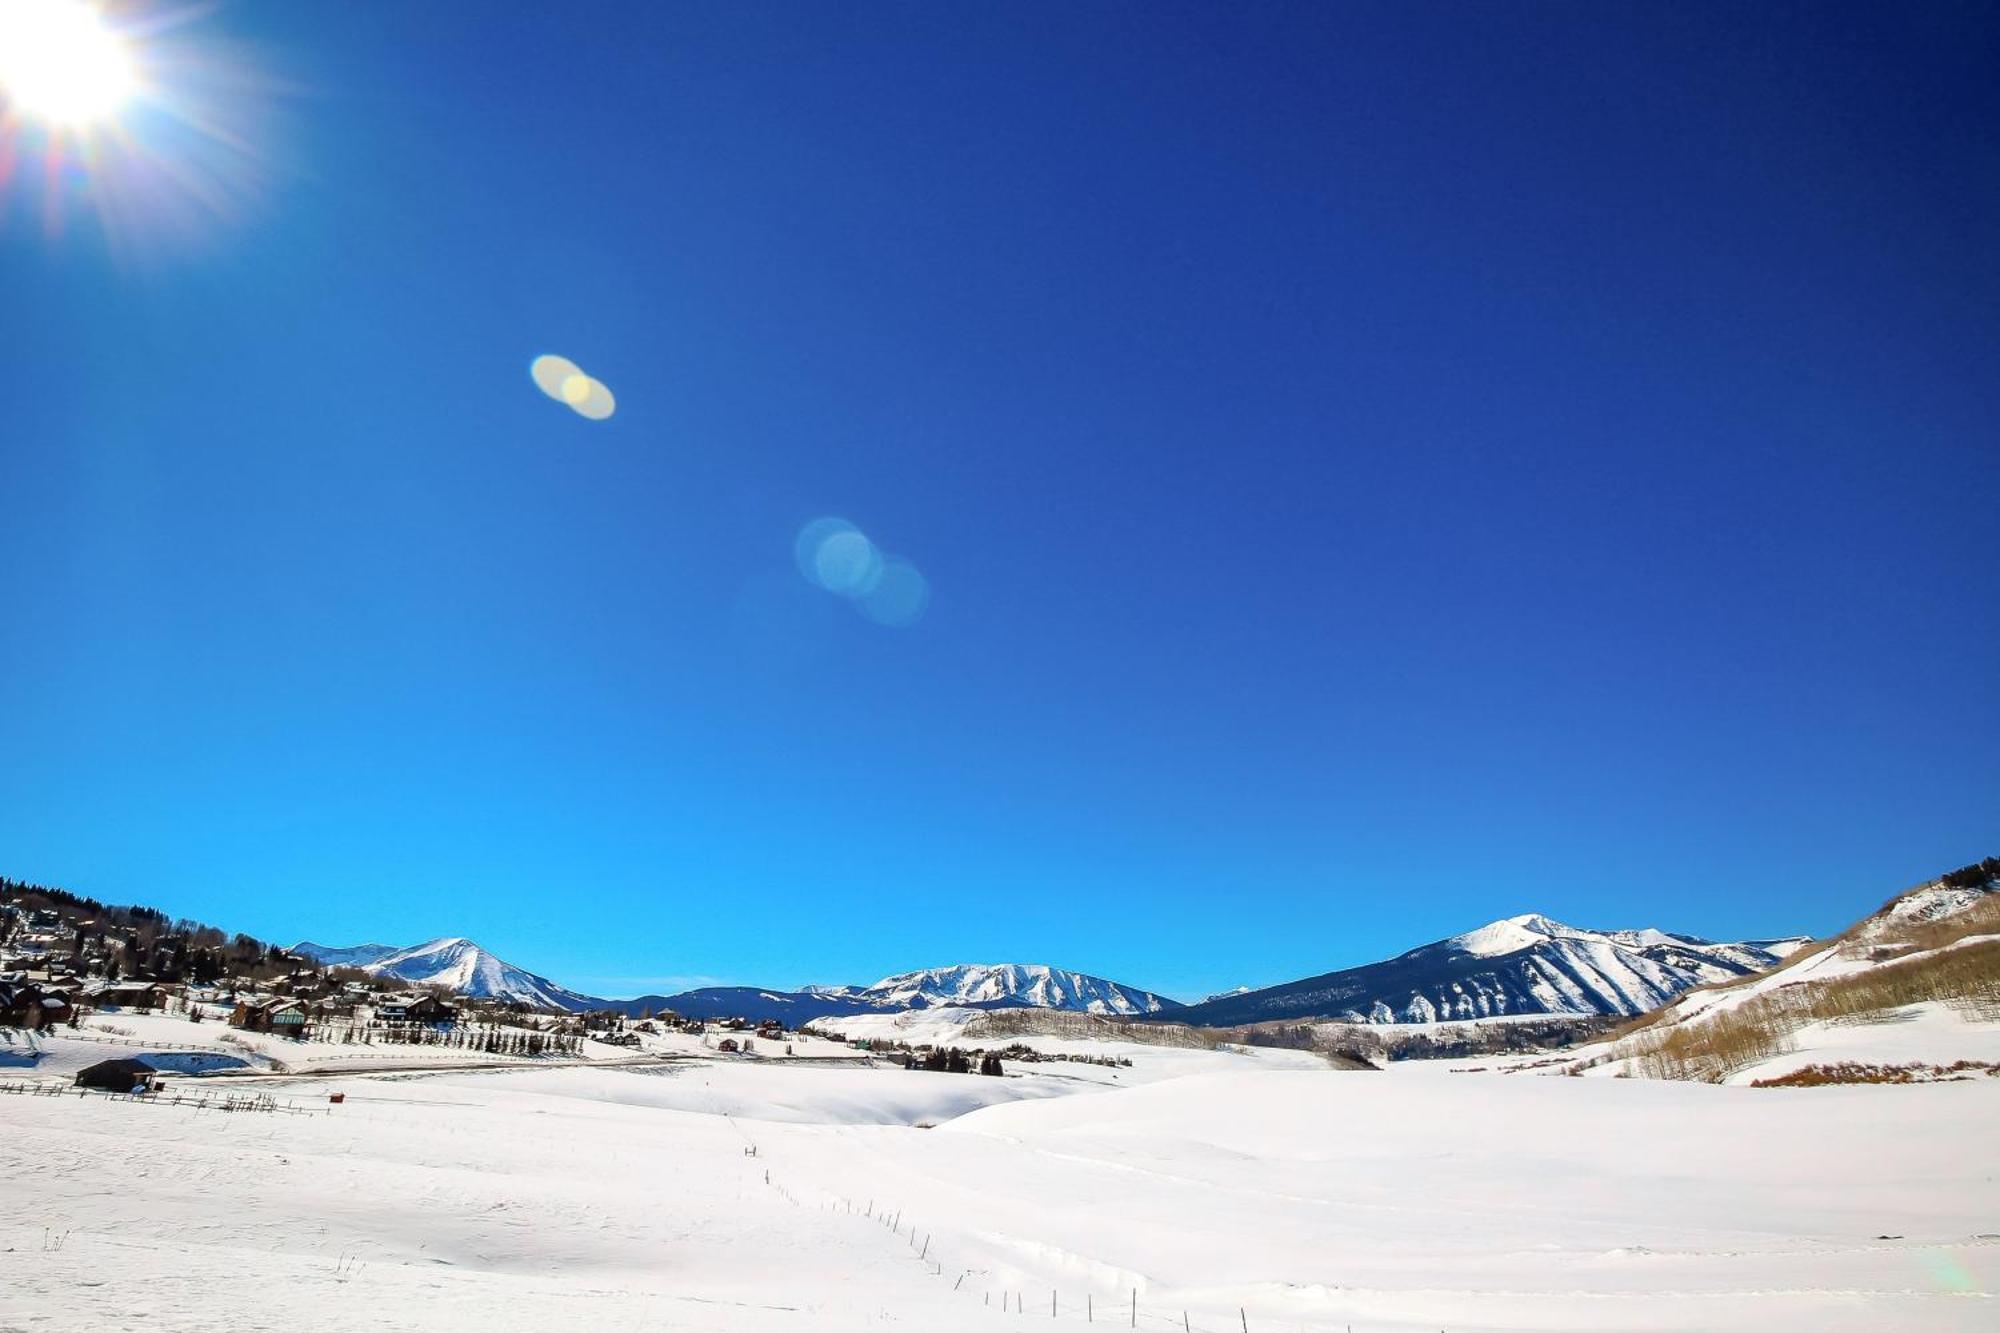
597 402
900 595
848 563
563 380
550 373
836 556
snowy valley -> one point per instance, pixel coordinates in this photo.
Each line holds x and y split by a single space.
1126 1166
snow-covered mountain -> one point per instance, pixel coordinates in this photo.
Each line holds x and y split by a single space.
458 964
468 969
1521 965
996 984
353 955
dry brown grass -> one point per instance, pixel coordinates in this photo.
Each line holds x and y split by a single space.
1820 1076
1872 937
1063 1023
1711 1048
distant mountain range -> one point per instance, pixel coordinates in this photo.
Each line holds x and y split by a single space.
1522 965
470 970
1015 984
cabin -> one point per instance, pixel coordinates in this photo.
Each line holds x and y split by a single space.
131 995
415 1009
727 1044
20 1003
285 1018
118 1076
29 1004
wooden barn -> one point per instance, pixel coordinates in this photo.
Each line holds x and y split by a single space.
117 1076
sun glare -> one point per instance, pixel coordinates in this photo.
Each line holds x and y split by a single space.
60 64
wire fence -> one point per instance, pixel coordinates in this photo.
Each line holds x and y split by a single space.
206 1100
107 1039
1114 1309
1119 1309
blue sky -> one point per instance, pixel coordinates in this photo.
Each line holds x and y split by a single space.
1378 468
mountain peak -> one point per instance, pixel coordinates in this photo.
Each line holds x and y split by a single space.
1507 935
457 963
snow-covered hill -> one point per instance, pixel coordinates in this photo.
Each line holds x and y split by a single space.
1031 984
1906 993
1521 965
458 964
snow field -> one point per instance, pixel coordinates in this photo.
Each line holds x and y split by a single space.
617 1198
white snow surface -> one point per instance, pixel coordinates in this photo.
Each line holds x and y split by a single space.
717 1198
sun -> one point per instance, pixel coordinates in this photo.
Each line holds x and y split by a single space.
60 64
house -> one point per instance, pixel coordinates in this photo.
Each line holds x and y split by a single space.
118 1076
415 1009
136 994
286 1018
727 1044
56 1008
28 1004
20 1002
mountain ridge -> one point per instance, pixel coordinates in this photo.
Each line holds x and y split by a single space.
1034 985
463 966
1527 964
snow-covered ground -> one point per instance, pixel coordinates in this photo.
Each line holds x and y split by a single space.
1238 1190
1923 1034
1148 1063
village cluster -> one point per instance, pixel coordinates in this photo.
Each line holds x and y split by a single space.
64 958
